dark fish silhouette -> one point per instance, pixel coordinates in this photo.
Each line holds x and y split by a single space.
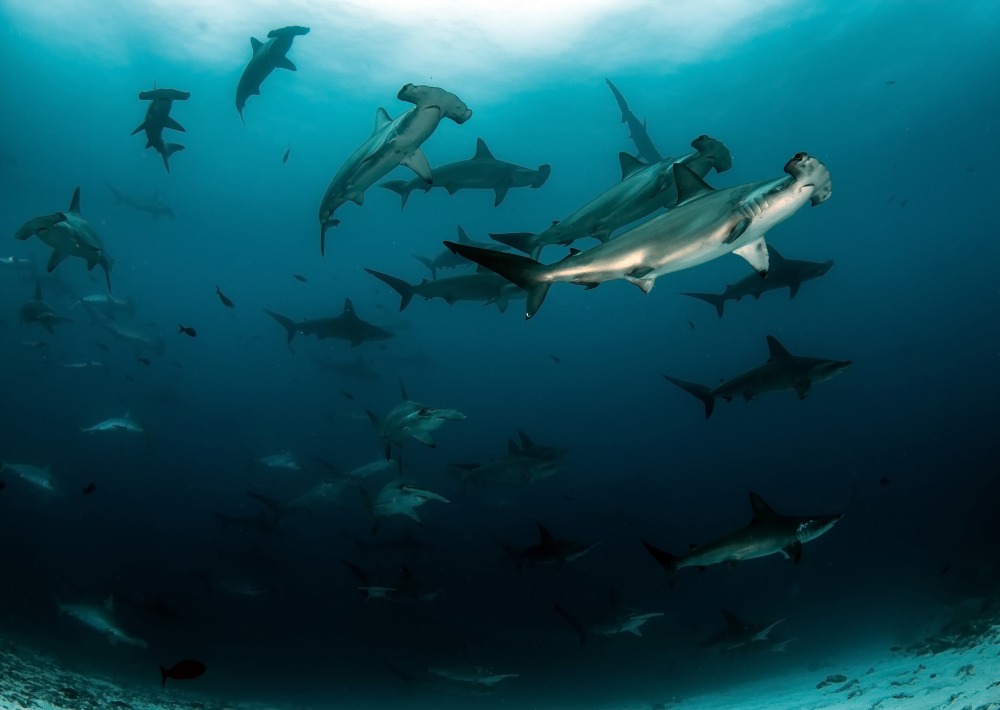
102 346
224 298
183 670
3 485
299 277
144 360
285 158
555 359
89 488
690 324
885 480
190 332
348 395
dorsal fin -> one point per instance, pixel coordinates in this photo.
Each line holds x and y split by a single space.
463 238
38 290
402 391
482 152
545 537
526 440
732 622
349 309
630 164
74 204
689 185
761 510
381 118
255 44
776 350
405 573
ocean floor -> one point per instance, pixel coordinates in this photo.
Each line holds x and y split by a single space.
956 668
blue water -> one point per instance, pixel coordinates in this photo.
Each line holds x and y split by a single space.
898 99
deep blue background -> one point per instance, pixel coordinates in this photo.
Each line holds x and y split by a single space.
900 102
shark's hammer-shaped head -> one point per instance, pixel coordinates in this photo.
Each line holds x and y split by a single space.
431 96
810 172
39 225
812 527
715 149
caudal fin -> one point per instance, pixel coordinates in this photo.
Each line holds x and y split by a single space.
519 270
168 150
404 289
574 622
668 561
715 299
403 188
700 391
287 323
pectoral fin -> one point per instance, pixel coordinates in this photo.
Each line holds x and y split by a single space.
501 192
756 255
738 230
284 63
793 552
424 438
171 123
417 162
802 388
57 258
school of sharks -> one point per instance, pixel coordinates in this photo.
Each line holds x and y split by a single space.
667 213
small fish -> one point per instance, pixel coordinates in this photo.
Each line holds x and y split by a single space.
690 324
144 360
890 82
299 277
555 359
183 670
944 571
103 347
3 485
285 158
904 202
346 394
222 297
189 332
885 480
89 488
970 169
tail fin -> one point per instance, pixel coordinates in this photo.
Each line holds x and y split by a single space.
715 299
163 674
168 150
287 323
404 289
522 241
668 561
574 622
403 188
520 270
543 174
700 391
429 263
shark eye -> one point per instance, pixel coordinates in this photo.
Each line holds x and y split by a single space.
800 156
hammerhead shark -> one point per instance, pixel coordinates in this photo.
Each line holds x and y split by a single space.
411 420
781 371
347 326
481 172
768 533
392 142
617 619
781 273
549 550
267 56
484 286
642 190
637 129
39 312
69 234
447 260
705 225
158 118
152 205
